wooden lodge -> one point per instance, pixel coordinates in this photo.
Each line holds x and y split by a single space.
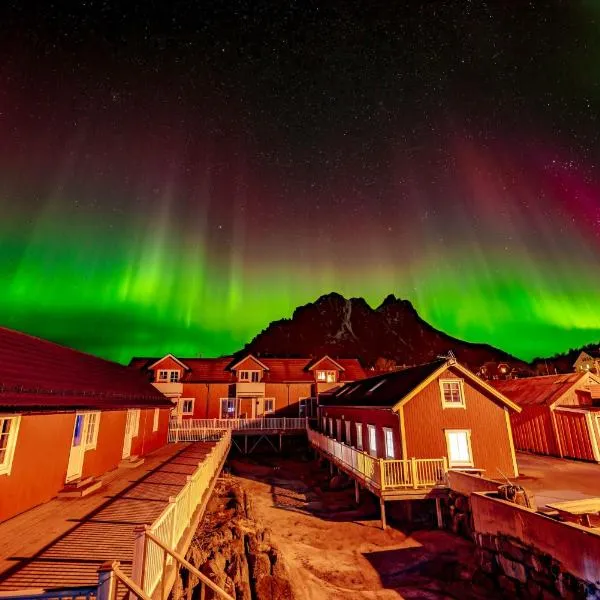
560 414
67 418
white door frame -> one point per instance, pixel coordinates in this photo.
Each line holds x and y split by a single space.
258 407
77 454
129 426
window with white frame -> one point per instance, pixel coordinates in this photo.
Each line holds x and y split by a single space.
372 433
302 403
338 430
330 426
163 375
348 439
136 422
324 424
92 423
359 438
269 405
172 376
227 408
251 376
388 436
155 419
9 429
186 406
458 442
327 376
452 391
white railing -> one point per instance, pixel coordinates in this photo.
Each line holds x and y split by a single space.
149 560
385 474
193 430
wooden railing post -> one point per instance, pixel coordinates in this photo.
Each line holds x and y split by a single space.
382 480
413 469
173 533
107 581
138 567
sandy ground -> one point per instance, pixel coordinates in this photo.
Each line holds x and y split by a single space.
557 479
334 551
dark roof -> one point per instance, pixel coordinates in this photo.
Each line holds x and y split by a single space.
381 390
38 374
217 370
543 390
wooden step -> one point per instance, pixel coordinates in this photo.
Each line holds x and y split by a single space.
132 462
79 491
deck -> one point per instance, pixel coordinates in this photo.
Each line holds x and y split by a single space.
62 543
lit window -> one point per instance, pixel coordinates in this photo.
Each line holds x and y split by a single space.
452 393
9 427
227 408
327 376
359 438
92 422
269 405
389 442
372 440
155 419
187 406
338 430
348 434
459 447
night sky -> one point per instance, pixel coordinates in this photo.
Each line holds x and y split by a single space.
175 175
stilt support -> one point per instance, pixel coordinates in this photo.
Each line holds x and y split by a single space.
382 507
438 512
280 442
331 468
356 492
246 444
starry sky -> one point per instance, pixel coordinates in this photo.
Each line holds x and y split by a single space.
174 176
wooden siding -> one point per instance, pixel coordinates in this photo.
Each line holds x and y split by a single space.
147 440
574 435
533 430
39 464
109 446
379 417
425 421
287 396
207 397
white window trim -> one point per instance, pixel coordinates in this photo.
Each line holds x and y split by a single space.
159 375
359 436
6 466
272 410
91 445
348 428
372 449
330 426
182 401
136 423
388 454
326 373
338 430
461 393
247 377
452 463
155 419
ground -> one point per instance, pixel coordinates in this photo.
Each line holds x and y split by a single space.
334 551
558 479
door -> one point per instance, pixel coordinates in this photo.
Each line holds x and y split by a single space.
75 466
259 407
129 433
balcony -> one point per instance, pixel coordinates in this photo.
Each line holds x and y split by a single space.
171 390
250 388
193 430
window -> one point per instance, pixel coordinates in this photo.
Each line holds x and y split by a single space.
330 426
269 405
452 393
92 422
302 407
155 419
338 430
388 436
174 376
359 439
170 376
253 376
9 428
327 376
324 424
372 440
227 408
136 422
186 406
459 447
163 375
348 434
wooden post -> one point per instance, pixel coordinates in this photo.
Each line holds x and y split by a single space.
413 469
172 501
246 444
382 508
382 481
438 512
280 442
138 567
330 468
107 582
356 492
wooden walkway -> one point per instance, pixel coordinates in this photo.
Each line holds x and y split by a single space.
63 542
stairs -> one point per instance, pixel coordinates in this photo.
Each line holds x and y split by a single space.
80 488
131 463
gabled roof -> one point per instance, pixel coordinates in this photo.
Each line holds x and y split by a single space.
183 366
324 358
249 357
36 374
394 389
545 390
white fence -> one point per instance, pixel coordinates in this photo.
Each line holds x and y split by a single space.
149 561
194 430
385 474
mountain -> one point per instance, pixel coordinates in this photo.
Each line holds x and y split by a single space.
339 327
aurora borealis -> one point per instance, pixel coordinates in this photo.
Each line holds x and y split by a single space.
174 177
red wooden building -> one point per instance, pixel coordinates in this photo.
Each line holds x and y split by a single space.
67 418
558 415
220 388
432 411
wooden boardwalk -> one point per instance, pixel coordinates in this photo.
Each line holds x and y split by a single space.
63 542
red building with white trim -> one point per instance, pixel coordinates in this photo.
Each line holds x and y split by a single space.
67 418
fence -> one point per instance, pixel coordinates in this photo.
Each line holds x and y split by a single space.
385 474
194 430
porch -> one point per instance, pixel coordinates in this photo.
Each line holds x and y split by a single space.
139 512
